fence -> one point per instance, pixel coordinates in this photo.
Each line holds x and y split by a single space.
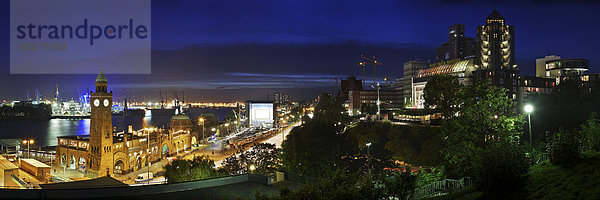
542 157
441 188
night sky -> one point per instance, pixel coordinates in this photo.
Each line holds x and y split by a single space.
237 50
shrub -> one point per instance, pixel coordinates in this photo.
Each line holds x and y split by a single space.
502 168
564 147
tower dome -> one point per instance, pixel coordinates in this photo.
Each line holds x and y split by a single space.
101 78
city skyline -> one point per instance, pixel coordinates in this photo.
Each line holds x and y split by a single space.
213 61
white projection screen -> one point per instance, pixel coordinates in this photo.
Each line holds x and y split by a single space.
261 114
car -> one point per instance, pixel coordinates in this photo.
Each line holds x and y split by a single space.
143 177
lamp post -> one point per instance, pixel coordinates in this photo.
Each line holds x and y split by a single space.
368 159
28 142
528 110
213 132
148 153
227 127
378 102
202 120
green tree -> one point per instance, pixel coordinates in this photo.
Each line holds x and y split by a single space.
370 109
590 133
190 170
487 114
442 93
328 110
503 169
315 148
565 147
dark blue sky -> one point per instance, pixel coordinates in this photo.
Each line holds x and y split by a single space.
237 50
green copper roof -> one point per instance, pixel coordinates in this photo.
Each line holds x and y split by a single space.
180 117
101 77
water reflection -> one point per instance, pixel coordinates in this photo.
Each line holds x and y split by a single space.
45 132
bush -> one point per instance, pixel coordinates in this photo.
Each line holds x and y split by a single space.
564 147
502 168
590 134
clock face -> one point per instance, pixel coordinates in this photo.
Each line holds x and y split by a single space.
96 102
106 102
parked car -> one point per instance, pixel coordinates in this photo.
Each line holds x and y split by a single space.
143 177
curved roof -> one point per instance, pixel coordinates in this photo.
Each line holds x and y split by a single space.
180 117
451 68
101 77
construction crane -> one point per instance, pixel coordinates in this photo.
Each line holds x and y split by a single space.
369 61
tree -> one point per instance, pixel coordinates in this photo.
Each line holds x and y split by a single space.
370 109
503 168
315 149
328 110
590 134
190 170
486 115
565 147
442 93
399 185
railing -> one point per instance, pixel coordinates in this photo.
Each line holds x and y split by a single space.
441 188
542 157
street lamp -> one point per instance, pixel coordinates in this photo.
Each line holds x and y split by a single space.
368 159
528 110
148 152
252 168
227 126
202 120
28 142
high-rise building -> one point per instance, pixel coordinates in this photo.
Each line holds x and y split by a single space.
495 53
458 46
281 98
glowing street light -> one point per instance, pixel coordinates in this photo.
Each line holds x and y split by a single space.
528 110
28 142
252 168
201 119
368 158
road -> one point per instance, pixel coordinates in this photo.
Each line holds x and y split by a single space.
213 149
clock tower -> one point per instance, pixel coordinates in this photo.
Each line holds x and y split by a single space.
101 133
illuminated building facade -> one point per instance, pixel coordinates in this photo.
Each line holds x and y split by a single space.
495 53
461 69
529 85
561 69
388 98
411 70
458 46
104 152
